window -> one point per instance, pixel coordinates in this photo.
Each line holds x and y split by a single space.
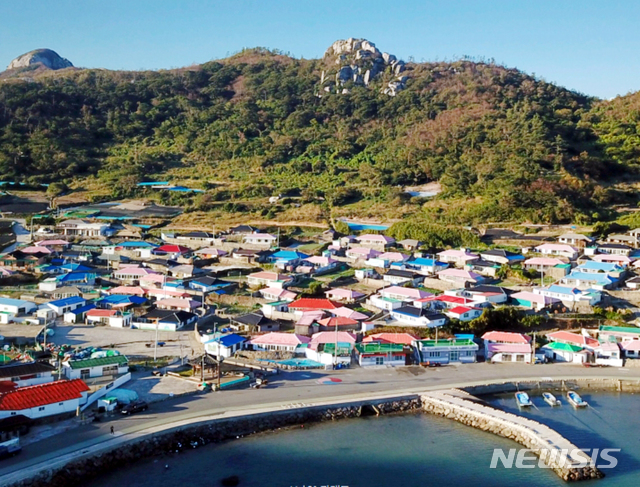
60 404
13 413
519 358
398 357
41 408
379 360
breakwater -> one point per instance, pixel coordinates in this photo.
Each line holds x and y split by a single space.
104 456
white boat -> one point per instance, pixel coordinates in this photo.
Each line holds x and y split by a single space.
523 400
575 400
550 399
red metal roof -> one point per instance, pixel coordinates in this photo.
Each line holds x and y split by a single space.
40 395
102 312
173 249
398 338
314 303
338 321
460 310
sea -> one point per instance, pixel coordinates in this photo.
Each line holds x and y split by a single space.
404 450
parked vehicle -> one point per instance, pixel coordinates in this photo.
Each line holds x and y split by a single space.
10 448
134 407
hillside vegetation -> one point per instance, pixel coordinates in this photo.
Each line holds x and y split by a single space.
503 145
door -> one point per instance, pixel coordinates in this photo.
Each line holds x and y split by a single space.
454 356
84 374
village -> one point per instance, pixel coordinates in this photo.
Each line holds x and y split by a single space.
94 306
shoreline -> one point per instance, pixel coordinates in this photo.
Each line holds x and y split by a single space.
86 462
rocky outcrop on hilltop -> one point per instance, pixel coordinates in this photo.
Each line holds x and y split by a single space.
45 57
360 62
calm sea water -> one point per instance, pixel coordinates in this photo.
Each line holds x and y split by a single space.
405 450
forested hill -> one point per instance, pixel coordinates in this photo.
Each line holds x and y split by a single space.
503 145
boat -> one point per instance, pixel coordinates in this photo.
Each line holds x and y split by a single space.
522 398
550 399
575 400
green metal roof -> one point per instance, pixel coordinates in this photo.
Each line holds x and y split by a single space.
344 348
98 362
564 347
447 343
620 329
379 347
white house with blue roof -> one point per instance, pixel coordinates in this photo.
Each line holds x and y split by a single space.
425 266
570 295
62 306
224 346
77 315
284 258
596 275
16 307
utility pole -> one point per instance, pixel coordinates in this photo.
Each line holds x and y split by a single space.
335 351
533 350
155 349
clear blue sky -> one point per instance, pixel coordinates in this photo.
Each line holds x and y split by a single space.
587 45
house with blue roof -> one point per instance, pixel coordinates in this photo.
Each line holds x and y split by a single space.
80 279
16 306
119 301
424 266
224 346
211 285
587 280
62 306
570 295
609 268
77 315
284 258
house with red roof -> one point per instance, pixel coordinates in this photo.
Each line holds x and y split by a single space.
171 250
44 400
110 317
339 323
397 338
463 313
581 341
312 304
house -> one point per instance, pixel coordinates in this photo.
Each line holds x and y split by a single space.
277 294
178 304
274 341
249 256
27 374
633 283
564 352
542 263
608 354
362 274
254 322
445 351
576 240
561 250
582 341
396 276
62 306
110 317
374 353
224 346
426 267
412 316
164 320
210 253
80 279
485 294
457 257
502 346
269 279
405 339
211 285
356 253
321 263
128 290
78 315
622 260
19 260
133 273
243 230
341 295
185 271
50 399
338 323
328 347
84 228
349 313
286 258
614 248
379 242
631 349
404 294
587 280
618 334
95 367
569 295
463 313
460 277
410 244
262 239
534 301
502 257
17 307
194 239
629 240
172 251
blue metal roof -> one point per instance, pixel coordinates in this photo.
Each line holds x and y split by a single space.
83 309
592 277
554 288
136 243
599 266
289 255
229 340
67 301
421 261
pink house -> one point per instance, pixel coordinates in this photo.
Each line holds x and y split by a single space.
362 253
278 341
460 276
344 295
377 241
177 304
457 257
502 346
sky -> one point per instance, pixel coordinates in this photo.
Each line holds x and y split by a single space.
587 45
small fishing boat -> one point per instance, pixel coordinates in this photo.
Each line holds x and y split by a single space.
575 400
550 399
522 398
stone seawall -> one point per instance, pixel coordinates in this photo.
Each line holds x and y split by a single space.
542 440
174 440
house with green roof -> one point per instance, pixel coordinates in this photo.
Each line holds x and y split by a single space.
376 353
445 351
618 334
565 352
95 367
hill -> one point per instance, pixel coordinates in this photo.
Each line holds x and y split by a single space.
337 136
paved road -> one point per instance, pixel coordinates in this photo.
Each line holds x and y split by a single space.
302 387
22 235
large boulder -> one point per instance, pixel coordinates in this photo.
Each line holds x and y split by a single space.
45 57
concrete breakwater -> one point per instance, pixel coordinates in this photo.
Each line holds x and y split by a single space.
542 440
181 438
